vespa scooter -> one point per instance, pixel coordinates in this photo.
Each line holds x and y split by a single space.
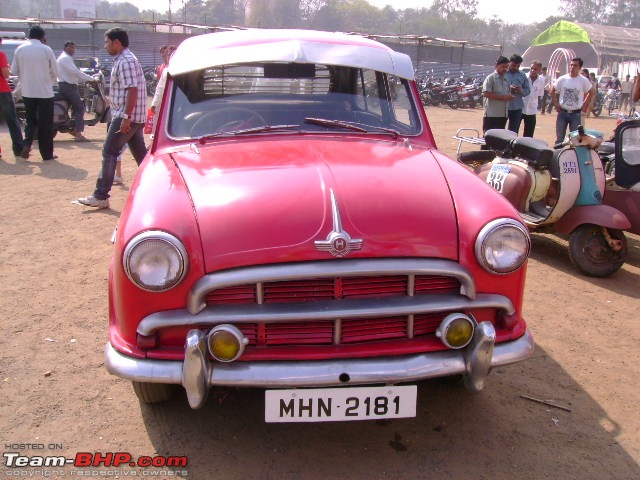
557 189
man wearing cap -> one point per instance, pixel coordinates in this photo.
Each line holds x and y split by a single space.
571 95
35 65
496 95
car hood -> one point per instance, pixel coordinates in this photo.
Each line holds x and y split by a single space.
269 201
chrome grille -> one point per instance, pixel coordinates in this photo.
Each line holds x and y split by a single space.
332 288
325 303
337 331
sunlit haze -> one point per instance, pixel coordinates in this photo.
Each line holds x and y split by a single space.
507 11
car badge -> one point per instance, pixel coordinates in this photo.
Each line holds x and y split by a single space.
338 243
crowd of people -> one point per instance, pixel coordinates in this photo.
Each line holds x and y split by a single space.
39 71
511 98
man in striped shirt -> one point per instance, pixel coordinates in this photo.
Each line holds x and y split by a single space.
128 110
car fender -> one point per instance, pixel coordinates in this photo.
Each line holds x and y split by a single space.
596 214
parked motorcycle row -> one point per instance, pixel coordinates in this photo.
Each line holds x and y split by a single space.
453 92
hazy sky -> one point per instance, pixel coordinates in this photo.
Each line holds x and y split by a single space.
510 12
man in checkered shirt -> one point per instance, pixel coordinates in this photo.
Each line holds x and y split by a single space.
128 109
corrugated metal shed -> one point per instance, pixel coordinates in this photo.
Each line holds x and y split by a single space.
614 44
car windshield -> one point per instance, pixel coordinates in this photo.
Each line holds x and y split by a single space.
285 97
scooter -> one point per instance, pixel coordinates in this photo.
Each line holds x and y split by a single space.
558 190
95 104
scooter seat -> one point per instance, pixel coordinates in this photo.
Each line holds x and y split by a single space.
536 152
499 139
607 148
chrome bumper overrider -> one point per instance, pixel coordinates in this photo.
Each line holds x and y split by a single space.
197 373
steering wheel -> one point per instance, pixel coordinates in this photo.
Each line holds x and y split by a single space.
225 120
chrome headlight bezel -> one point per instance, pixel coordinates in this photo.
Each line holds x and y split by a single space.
502 226
175 252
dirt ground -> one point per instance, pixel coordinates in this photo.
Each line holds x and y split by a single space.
56 397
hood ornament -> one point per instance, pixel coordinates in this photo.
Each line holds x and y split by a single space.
338 243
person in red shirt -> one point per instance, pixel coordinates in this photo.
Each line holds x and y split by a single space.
8 107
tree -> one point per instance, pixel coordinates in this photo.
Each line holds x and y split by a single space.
444 8
587 11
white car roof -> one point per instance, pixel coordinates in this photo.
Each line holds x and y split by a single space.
292 46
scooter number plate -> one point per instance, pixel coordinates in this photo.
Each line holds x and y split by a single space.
497 176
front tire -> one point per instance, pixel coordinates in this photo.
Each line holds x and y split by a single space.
590 252
597 110
150 393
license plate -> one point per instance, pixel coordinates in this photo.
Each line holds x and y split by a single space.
476 97
339 404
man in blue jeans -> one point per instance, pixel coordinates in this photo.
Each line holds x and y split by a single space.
128 108
519 88
571 94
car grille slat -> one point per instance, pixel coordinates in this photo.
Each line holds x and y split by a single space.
320 333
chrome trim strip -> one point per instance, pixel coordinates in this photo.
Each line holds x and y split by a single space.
322 310
388 370
330 268
337 331
339 243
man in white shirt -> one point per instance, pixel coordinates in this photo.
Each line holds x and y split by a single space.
571 95
536 85
626 87
69 76
35 65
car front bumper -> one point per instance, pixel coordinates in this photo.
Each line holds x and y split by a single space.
198 373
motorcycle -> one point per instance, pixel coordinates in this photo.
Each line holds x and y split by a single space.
558 189
96 104
612 100
598 103
472 93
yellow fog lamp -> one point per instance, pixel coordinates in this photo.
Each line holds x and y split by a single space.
456 330
226 343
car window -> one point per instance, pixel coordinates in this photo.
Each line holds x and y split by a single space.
226 99
631 146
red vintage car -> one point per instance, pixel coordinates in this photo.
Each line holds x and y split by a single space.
294 227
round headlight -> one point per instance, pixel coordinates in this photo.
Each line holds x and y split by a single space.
155 261
502 246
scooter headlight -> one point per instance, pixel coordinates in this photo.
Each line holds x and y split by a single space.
502 246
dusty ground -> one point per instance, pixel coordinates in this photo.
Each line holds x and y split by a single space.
57 399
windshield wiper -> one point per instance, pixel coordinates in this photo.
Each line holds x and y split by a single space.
263 128
350 126
324 122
